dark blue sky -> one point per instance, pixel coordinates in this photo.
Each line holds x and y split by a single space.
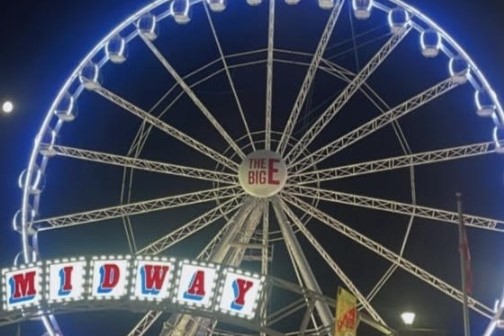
42 41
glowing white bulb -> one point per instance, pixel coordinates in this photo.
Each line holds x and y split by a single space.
7 107
408 318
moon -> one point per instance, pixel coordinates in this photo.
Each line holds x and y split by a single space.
7 107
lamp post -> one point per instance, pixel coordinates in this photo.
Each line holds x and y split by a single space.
408 319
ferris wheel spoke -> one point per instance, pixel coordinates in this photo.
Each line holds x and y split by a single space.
228 75
424 158
346 95
239 217
145 323
237 231
287 310
305 301
345 75
392 268
144 132
207 252
168 129
192 227
333 265
388 255
265 238
269 73
187 89
242 240
300 260
398 208
373 125
137 208
50 324
265 257
310 76
141 164
383 280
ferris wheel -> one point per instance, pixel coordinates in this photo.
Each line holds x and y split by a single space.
317 143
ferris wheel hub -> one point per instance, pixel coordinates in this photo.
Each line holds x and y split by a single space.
262 173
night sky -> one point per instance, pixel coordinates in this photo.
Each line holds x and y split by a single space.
43 41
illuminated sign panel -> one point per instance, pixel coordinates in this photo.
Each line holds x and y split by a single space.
239 293
262 173
196 283
152 278
110 277
41 287
65 280
22 287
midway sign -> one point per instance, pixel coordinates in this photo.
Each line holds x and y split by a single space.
163 280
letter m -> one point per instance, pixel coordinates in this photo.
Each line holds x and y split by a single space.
22 287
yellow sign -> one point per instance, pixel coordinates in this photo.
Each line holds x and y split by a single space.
346 314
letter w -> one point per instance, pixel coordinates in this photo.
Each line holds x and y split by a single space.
153 277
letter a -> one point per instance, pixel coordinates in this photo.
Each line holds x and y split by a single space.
196 289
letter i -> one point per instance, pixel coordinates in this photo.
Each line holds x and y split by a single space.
65 275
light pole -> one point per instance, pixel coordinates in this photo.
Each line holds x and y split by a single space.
408 319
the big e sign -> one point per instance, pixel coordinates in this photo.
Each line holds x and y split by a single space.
263 173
